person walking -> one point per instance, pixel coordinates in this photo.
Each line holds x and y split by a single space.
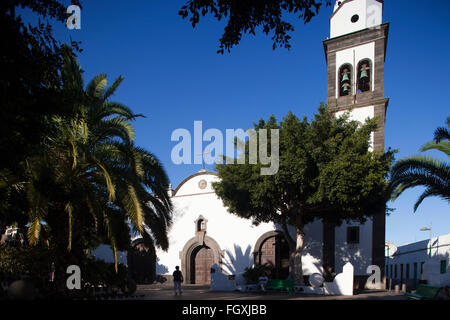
177 280
262 282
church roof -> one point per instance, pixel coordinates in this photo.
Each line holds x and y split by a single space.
342 2
201 172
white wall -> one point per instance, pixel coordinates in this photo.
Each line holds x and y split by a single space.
238 236
235 235
419 252
312 251
370 14
359 255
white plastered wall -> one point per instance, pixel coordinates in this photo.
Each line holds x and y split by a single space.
370 14
235 235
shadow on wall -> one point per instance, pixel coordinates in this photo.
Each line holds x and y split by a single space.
311 258
236 262
359 258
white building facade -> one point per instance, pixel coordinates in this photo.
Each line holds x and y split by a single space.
422 261
204 233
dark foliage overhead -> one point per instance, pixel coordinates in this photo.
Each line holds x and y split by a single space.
245 16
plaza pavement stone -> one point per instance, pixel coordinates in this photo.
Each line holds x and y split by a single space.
202 292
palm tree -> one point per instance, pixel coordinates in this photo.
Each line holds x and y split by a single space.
90 179
425 171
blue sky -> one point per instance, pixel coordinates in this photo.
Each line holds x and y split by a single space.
174 76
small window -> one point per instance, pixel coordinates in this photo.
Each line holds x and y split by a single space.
443 266
354 18
421 267
201 225
352 234
407 271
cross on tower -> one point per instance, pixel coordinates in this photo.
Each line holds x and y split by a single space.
203 158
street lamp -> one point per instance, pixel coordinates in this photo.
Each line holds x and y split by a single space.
387 266
431 234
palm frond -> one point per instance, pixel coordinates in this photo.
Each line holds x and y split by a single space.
33 231
416 171
69 210
442 133
110 186
133 208
428 193
443 146
111 237
420 164
110 91
96 87
115 127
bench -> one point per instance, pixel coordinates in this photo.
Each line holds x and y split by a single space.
424 292
276 284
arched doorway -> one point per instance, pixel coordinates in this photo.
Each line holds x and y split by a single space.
202 260
272 250
197 257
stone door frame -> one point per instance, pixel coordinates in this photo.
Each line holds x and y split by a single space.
200 240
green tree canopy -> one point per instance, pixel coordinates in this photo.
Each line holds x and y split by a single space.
326 171
29 92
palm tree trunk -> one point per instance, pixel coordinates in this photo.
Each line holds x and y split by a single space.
64 258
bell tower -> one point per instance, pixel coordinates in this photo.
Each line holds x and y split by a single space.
355 55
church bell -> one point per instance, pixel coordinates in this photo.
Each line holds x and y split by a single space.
345 88
345 77
364 74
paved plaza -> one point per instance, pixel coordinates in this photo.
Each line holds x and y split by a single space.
202 292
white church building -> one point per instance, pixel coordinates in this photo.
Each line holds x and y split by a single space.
205 233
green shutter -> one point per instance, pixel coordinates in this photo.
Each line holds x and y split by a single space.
443 266
415 270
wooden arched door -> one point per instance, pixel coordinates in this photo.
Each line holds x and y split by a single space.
204 259
268 252
274 253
